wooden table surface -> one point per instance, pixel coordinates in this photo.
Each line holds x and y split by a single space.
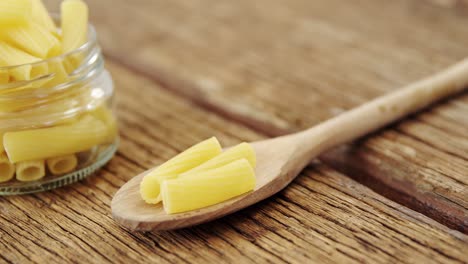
245 70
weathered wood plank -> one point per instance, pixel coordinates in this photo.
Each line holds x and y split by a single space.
455 4
323 216
280 66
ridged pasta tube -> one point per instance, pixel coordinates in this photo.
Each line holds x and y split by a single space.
74 17
63 164
241 151
41 16
30 170
190 158
34 39
10 56
14 12
7 169
205 188
55 141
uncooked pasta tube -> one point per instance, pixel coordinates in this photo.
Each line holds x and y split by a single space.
241 151
30 170
74 18
201 189
55 141
62 165
7 169
10 55
41 16
190 158
34 39
14 12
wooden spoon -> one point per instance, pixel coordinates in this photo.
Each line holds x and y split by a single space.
280 160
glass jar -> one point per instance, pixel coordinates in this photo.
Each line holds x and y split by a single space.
56 120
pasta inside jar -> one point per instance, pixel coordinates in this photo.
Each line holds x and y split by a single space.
57 126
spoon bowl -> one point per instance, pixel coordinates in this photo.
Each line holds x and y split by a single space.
129 209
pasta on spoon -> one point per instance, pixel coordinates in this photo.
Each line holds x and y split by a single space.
201 176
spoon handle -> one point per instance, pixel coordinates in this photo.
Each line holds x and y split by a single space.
384 110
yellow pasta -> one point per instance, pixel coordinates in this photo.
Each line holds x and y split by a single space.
55 141
63 101
63 164
4 77
7 169
2 150
21 73
10 56
34 39
201 189
54 108
71 62
42 17
190 158
74 17
241 151
26 72
21 104
14 12
56 68
104 114
39 70
30 170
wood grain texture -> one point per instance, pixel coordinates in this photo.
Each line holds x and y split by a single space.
323 216
279 66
